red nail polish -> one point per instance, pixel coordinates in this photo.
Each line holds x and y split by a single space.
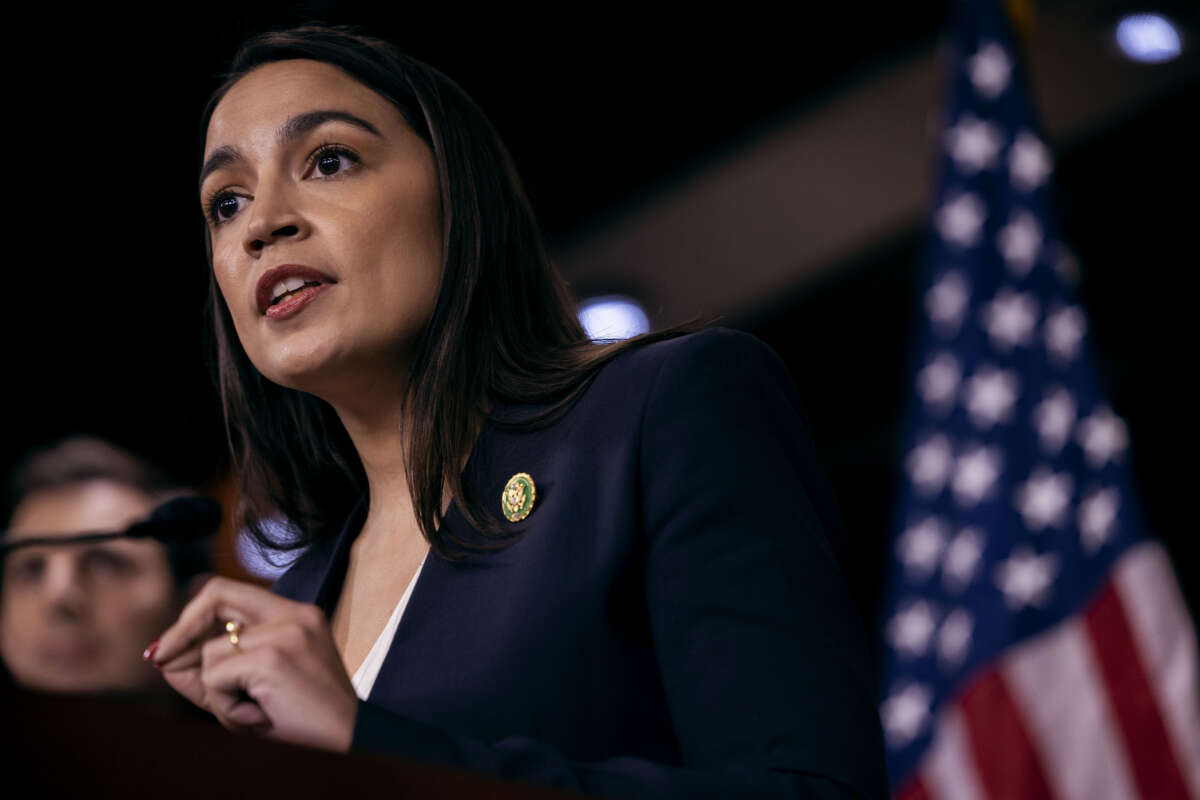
148 655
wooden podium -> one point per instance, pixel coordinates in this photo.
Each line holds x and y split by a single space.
91 747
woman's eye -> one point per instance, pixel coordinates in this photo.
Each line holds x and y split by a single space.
222 207
227 206
331 161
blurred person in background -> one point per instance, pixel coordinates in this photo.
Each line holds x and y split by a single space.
76 617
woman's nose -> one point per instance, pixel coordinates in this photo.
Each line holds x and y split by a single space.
274 217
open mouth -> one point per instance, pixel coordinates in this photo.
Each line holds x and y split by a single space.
289 287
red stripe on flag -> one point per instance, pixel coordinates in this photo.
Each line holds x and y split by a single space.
913 790
1129 693
1004 755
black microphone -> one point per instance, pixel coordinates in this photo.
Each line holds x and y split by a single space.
176 520
187 517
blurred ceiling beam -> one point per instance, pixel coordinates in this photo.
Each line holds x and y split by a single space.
814 192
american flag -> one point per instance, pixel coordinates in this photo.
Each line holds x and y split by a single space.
1036 643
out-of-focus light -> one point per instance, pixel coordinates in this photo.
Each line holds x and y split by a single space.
1149 38
612 317
266 564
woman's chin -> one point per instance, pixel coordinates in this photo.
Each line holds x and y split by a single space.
335 374
302 372
299 381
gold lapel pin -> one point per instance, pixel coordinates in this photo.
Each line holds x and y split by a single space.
518 496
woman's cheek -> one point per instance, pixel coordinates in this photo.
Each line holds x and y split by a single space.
230 291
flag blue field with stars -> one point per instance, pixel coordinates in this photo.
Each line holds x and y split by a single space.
1017 503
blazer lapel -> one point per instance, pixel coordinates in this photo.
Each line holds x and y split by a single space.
319 572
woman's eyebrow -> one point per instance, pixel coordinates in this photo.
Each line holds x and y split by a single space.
303 123
294 128
221 157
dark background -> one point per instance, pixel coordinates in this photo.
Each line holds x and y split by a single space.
104 324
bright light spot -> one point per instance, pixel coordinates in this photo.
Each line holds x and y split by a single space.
1149 38
612 317
271 564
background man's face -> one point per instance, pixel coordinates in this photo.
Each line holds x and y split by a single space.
77 617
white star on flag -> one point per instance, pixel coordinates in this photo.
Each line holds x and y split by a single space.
1045 498
990 395
1054 417
1020 242
929 464
989 70
954 637
920 547
1029 162
974 143
937 382
1103 437
1064 331
962 559
960 221
905 713
1026 578
1098 518
946 303
975 472
1010 318
911 630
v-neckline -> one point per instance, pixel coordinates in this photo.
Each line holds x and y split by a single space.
333 576
386 635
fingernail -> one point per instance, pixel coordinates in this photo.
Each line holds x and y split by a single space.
148 655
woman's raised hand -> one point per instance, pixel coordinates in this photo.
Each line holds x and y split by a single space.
284 678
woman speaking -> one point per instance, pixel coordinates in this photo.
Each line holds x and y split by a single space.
606 567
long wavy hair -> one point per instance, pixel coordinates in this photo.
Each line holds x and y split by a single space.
504 327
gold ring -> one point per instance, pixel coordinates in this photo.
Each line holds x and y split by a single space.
233 628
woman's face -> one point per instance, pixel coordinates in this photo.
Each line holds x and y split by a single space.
324 212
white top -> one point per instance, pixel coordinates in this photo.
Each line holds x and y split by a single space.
368 671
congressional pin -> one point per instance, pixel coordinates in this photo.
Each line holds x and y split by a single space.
518 496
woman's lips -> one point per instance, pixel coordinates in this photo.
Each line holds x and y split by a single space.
294 303
265 290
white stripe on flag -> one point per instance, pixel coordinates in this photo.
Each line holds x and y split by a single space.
1060 693
1146 584
948 771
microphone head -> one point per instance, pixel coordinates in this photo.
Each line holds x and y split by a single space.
187 517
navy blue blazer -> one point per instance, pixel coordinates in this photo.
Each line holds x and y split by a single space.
672 620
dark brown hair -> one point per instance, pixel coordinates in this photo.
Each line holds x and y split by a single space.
504 327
